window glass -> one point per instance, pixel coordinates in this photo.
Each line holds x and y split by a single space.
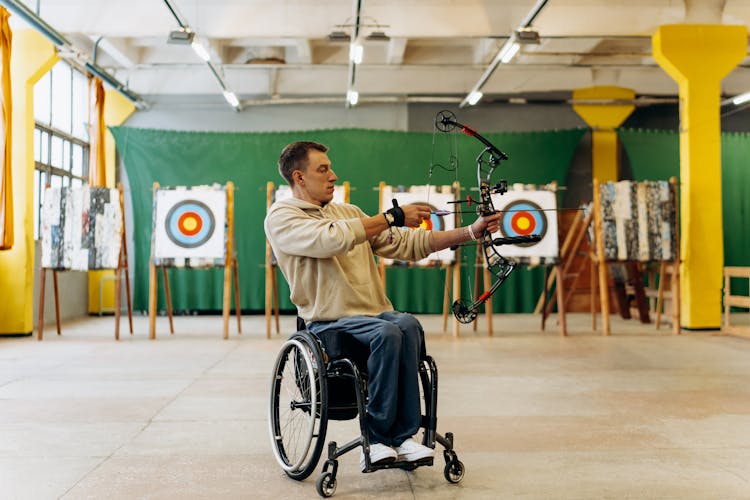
44 143
61 97
77 167
80 109
56 152
42 99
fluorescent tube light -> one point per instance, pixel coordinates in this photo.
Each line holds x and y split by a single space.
356 51
231 98
741 99
353 97
510 53
200 50
474 97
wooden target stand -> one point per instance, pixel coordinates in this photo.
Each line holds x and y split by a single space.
122 266
567 276
272 286
231 274
452 274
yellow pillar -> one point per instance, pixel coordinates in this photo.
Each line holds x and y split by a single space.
32 56
604 118
117 109
698 57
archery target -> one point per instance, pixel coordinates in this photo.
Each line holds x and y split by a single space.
189 223
522 218
525 213
437 198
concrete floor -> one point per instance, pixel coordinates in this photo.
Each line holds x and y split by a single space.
640 414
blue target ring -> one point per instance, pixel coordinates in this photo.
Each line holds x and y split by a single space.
190 224
522 218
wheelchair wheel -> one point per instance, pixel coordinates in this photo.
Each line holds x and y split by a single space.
298 410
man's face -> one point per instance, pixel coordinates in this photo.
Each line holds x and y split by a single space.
318 179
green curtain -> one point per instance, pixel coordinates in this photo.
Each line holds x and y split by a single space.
362 157
655 155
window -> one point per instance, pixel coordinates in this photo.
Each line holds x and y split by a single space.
61 142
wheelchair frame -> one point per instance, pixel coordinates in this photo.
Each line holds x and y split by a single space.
312 369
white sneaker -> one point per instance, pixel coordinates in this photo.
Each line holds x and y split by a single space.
411 451
379 454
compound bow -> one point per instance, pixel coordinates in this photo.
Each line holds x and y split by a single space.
488 160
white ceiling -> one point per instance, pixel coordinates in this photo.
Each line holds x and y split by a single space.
279 50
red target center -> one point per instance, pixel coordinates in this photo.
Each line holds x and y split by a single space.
523 223
189 223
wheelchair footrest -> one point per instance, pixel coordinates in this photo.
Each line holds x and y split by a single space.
402 465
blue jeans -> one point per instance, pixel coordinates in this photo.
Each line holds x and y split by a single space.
394 338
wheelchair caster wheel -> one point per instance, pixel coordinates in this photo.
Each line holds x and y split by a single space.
326 485
454 471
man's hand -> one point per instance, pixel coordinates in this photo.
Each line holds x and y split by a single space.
415 214
489 222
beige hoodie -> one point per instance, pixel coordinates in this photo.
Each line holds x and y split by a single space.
327 261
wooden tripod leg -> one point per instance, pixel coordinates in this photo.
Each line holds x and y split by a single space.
275 286
559 289
118 300
593 278
660 293
168 295
447 296
237 302
40 320
488 304
227 296
152 282
57 301
543 305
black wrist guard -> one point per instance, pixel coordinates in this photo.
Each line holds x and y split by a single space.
398 214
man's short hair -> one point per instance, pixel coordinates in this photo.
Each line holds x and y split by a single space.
294 157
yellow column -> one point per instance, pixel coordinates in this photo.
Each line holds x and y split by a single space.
117 109
698 57
32 56
604 118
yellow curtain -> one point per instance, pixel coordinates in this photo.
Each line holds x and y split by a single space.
97 172
6 186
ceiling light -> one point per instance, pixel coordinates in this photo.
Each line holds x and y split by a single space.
356 51
181 37
231 98
352 97
741 99
200 50
474 97
510 53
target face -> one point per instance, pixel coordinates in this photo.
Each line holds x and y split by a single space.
434 223
524 213
435 197
522 218
190 224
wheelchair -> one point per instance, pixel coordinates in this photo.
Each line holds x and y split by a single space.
317 379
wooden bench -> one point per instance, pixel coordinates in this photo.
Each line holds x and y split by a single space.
735 300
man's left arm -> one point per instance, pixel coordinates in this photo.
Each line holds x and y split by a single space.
444 239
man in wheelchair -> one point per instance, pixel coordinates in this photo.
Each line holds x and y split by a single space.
326 252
